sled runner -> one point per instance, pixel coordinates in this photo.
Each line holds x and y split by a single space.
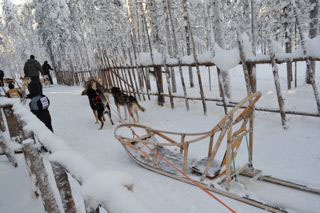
167 153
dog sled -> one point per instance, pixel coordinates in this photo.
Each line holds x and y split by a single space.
167 153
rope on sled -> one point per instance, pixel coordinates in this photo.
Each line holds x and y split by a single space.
185 175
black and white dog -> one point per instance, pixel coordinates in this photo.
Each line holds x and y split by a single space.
98 99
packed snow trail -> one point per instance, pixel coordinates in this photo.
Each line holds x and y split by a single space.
289 154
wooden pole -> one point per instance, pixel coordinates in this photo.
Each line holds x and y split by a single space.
209 78
185 157
277 84
64 187
35 163
183 86
168 79
145 80
222 91
229 157
158 73
243 61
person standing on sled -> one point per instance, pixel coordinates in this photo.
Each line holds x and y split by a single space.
46 70
39 103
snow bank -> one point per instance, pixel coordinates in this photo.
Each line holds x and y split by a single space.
108 188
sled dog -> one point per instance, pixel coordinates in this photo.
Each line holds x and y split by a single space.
128 101
99 102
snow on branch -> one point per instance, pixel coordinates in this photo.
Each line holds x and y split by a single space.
108 188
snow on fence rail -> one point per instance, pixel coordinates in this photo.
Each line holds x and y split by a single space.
99 187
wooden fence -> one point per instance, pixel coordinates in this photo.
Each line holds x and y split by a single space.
34 159
135 80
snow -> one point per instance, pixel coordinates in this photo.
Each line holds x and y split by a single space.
16 194
144 58
107 188
87 173
187 59
312 46
226 59
100 162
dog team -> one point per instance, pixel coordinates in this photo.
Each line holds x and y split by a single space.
99 102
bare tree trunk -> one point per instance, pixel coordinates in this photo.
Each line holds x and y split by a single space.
312 71
144 29
138 27
150 48
313 32
186 16
168 44
219 37
187 33
288 47
252 72
154 24
175 53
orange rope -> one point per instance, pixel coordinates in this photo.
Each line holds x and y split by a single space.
184 174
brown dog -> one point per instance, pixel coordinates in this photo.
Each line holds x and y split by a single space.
130 102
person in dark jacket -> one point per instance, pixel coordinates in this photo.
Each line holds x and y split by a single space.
32 68
35 88
46 70
1 78
39 103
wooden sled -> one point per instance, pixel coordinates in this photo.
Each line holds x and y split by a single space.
167 152
147 145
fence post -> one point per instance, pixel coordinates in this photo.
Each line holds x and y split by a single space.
158 74
64 188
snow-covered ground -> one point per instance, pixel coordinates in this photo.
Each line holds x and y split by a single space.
292 154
